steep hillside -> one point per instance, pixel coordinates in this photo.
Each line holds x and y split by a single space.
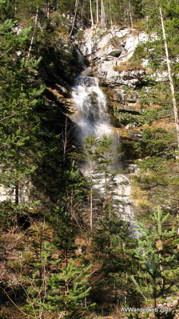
141 111
70 242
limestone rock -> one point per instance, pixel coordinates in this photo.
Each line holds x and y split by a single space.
116 43
109 52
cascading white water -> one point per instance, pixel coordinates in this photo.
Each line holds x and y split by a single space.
90 102
92 120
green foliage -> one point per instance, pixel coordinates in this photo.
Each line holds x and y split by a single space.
153 163
146 117
158 180
155 51
99 156
156 143
65 229
157 260
62 290
137 7
99 151
149 116
156 94
19 97
74 281
140 52
112 246
6 10
7 215
32 146
126 118
155 105
10 212
66 6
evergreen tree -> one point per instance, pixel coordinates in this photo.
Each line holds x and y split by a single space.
98 153
156 254
55 286
20 96
162 20
112 248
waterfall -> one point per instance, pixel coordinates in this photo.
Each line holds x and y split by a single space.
92 117
93 120
80 57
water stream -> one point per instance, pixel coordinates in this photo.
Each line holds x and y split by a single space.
93 120
92 116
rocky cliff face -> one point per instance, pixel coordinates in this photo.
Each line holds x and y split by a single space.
125 83
109 52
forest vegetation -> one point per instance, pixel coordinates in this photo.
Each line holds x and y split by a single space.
64 252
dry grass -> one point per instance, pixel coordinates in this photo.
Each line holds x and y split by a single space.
120 132
167 124
128 66
153 106
139 197
115 42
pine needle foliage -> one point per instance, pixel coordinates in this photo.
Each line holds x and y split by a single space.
156 254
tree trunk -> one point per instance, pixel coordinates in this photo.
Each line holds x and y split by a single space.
91 195
33 35
130 15
48 9
91 208
17 193
82 12
65 138
110 9
154 304
74 19
91 13
15 8
102 13
97 12
170 78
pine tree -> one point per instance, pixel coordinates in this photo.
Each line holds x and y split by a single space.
156 256
112 246
73 281
89 149
55 286
19 96
99 158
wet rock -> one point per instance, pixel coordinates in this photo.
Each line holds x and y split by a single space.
87 71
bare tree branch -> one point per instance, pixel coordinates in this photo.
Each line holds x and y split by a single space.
6 117
7 51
